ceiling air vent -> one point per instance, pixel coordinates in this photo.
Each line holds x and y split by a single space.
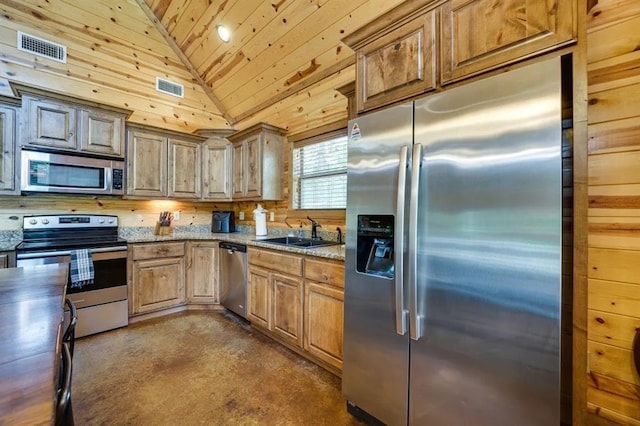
41 47
169 87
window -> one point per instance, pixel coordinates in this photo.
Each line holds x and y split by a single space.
320 173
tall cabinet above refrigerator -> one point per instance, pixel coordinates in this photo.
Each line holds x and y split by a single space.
453 268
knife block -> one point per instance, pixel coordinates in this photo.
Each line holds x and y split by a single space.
162 230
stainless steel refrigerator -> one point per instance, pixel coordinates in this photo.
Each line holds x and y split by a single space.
453 255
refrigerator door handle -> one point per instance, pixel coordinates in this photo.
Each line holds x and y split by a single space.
401 312
415 320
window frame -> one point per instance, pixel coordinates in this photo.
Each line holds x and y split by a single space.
308 138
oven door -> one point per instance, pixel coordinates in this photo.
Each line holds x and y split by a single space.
102 305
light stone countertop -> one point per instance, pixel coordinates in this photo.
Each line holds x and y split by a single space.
329 252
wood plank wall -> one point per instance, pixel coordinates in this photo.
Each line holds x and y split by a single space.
131 213
613 395
134 213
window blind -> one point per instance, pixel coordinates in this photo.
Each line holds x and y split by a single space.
320 175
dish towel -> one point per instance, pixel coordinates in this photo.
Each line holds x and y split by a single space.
81 268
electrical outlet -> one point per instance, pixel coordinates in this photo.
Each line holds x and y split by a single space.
241 216
176 215
272 216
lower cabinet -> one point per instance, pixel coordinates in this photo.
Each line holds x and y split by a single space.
157 276
275 294
324 310
202 272
298 301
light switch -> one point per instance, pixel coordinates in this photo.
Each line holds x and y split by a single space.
176 215
272 216
241 216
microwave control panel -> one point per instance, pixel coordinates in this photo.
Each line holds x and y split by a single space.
116 179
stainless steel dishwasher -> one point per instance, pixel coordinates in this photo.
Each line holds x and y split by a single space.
233 277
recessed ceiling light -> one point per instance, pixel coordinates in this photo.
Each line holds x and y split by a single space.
223 33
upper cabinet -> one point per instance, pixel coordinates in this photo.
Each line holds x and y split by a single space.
258 159
217 163
395 61
65 125
163 164
421 46
478 35
8 120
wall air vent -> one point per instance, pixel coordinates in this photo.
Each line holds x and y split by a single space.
41 47
169 87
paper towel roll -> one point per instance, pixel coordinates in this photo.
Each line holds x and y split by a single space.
260 217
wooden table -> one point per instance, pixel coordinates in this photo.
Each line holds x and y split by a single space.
31 317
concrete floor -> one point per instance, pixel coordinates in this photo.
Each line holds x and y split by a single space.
198 368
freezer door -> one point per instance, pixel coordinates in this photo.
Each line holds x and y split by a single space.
375 361
489 252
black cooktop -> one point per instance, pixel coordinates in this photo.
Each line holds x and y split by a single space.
69 244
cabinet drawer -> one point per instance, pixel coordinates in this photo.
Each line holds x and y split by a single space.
153 251
325 272
276 261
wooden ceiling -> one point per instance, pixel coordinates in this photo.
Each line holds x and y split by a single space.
282 65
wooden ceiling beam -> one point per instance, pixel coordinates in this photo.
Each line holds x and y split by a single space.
298 87
187 63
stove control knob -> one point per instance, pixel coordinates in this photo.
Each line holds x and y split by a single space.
45 221
100 220
32 221
111 221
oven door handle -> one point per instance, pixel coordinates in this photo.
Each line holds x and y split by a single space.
40 254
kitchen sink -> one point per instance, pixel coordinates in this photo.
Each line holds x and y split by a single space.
298 242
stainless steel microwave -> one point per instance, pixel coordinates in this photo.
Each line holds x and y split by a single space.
70 174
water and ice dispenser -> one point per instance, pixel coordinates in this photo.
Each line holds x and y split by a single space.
375 250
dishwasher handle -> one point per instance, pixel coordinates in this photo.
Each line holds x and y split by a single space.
233 247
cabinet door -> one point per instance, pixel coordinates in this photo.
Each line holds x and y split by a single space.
202 273
398 65
146 165
7 145
185 166
253 167
216 173
51 124
478 35
323 322
259 297
287 308
102 132
239 174
158 284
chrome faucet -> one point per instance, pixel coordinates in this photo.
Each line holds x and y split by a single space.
314 229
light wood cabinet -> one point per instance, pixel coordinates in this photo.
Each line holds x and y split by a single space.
258 162
7 259
185 167
62 124
399 63
202 272
324 310
216 170
299 301
146 164
163 164
419 46
275 294
157 276
259 297
287 308
478 35
8 123
323 322
101 132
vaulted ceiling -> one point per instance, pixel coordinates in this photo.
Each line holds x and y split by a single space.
281 66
